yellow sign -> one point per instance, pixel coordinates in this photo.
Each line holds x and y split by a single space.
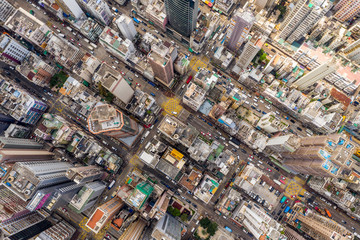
176 154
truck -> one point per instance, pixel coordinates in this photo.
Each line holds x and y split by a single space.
111 184
277 182
287 209
328 213
114 9
189 79
146 134
93 45
283 199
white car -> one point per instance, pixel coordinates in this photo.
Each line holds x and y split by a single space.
247 102
268 107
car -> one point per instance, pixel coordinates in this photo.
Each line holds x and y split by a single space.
58 30
203 133
292 120
195 206
243 150
209 134
271 188
130 78
188 201
283 206
136 75
283 178
251 156
279 212
54 26
344 222
72 40
286 201
138 84
354 229
268 169
177 193
247 102
298 128
79 44
250 159
253 107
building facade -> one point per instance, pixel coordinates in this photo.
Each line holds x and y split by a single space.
127 27
182 15
240 25
346 10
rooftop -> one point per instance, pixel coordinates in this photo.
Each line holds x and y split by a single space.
104 118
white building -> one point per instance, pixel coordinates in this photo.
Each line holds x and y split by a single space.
272 124
113 43
240 25
194 96
6 10
126 27
315 75
352 51
252 47
71 8
12 50
98 9
258 222
302 18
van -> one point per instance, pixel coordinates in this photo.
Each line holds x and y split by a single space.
86 40
61 35
91 48
69 28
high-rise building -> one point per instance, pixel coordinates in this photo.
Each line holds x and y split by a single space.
105 119
315 75
10 155
316 225
84 174
26 178
25 226
167 228
156 14
6 10
262 4
252 47
325 155
240 25
352 51
19 143
103 214
11 206
346 10
134 231
60 231
87 196
162 63
182 15
99 9
302 18
126 27
140 194
71 8
5 122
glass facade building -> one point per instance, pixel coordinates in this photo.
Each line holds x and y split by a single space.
182 15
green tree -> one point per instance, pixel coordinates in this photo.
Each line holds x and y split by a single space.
176 212
352 209
205 222
212 228
184 217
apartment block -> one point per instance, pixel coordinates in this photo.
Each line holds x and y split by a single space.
302 17
26 178
162 63
126 26
156 14
87 196
271 123
6 10
60 231
240 25
84 174
12 50
194 96
103 214
346 10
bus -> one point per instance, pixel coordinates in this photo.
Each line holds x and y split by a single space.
228 229
221 36
282 181
283 199
230 142
286 209
189 79
328 213
136 20
111 184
